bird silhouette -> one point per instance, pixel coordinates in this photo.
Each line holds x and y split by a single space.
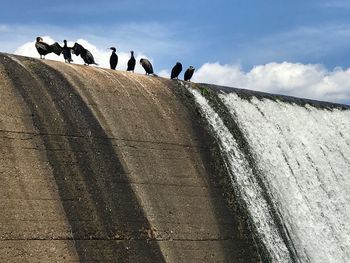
131 62
85 54
113 60
189 73
44 48
175 72
147 66
67 52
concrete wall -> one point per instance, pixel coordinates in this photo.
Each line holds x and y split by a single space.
107 166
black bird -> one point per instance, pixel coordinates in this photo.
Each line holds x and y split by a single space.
189 73
84 53
44 48
131 62
175 72
147 66
113 61
66 51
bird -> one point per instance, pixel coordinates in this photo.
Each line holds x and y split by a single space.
44 48
147 66
131 62
66 51
189 73
113 61
175 72
84 53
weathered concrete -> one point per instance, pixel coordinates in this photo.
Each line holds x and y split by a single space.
107 166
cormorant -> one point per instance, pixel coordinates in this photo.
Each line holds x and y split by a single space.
175 72
113 61
84 53
131 62
66 51
147 66
189 73
44 48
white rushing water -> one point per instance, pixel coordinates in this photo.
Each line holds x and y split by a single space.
245 183
303 156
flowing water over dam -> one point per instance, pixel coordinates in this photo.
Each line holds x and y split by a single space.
110 166
291 170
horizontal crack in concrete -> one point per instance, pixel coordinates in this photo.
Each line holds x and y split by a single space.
104 138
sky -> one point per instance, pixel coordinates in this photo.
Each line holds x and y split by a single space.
298 48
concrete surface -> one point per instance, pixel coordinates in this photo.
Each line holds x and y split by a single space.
107 166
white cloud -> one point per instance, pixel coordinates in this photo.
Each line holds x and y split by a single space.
101 55
295 79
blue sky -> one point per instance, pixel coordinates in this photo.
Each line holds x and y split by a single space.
246 33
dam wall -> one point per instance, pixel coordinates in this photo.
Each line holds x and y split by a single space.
99 165
106 166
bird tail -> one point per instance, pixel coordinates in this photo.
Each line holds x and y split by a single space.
155 75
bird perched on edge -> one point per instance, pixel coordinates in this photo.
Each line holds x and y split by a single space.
113 60
147 66
189 73
84 54
66 51
175 72
131 62
44 48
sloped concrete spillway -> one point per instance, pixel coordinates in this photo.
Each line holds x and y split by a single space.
105 166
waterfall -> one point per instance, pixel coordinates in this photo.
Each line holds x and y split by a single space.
296 189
